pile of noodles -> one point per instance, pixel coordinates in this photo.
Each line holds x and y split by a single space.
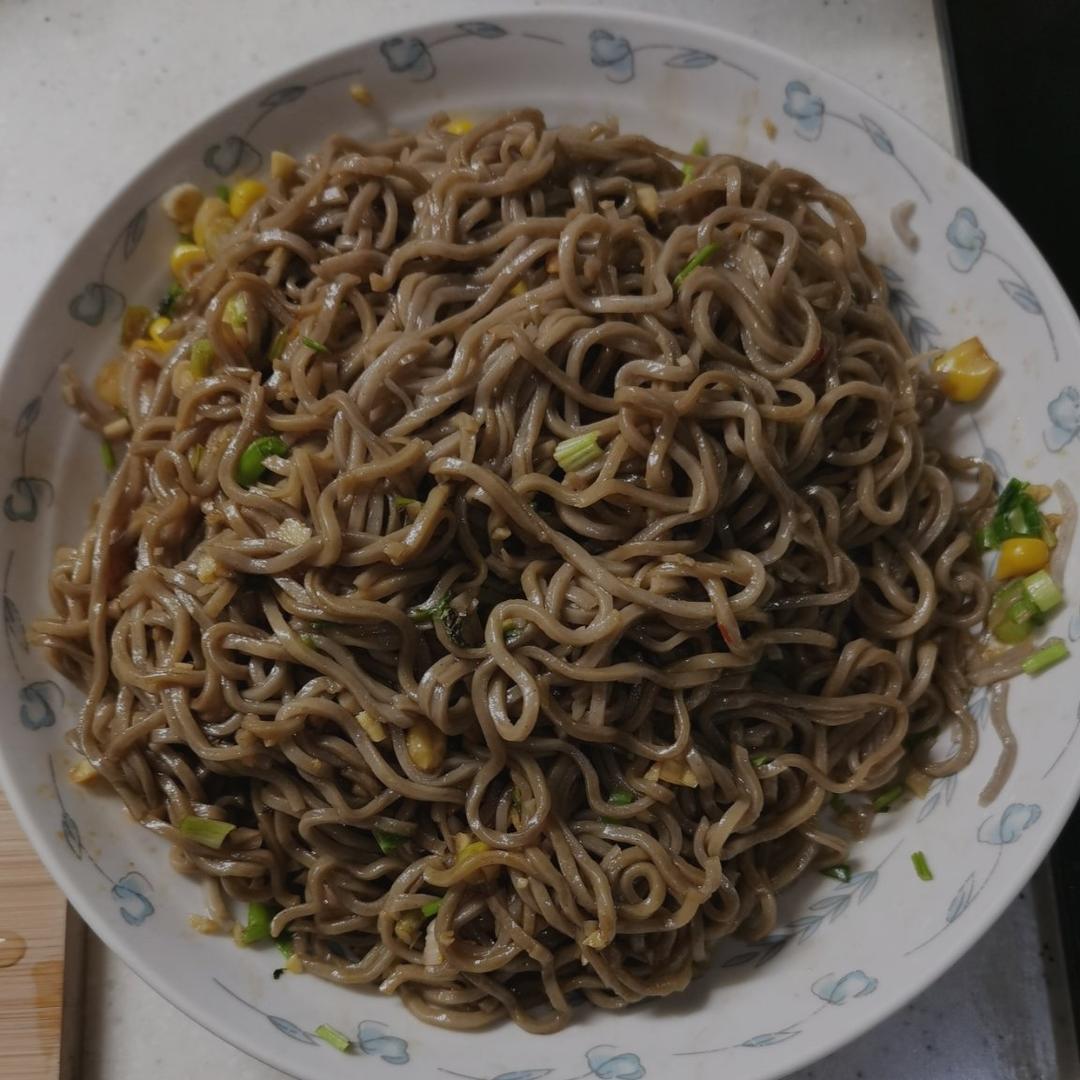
643 682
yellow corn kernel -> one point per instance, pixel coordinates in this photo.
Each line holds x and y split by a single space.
1021 556
120 428
134 323
217 232
186 260
407 927
360 94
282 165
965 371
82 772
294 965
458 125
244 195
107 382
426 745
518 289
470 849
373 727
211 209
154 339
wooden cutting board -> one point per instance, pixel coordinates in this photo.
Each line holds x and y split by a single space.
41 942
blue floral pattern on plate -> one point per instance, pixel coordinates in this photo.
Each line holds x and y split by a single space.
615 56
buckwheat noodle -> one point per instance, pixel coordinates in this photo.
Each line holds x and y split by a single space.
743 607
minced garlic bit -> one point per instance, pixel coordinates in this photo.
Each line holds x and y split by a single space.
282 165
674 772
360 94
293 532
181 203
648 200
206 569
372 726
770 128
294 965
204 924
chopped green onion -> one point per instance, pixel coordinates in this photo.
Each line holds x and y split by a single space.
578 452
1022 610
172 295
620 798
202 358
311 343
280 341
1051 653
887 798
702 255
760 759
511 630
249 469
1043 591
387 842
309 640
842 872
108 455
1012 633
433 609
285 945
431 908
699 149
222 192
922 867
258 924
235 313
206 831
986 538
403 502
333 1037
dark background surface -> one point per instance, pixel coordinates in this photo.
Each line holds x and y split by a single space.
1016 96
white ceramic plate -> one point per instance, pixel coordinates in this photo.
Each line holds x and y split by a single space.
846 955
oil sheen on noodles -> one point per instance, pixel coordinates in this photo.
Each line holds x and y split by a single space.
599 713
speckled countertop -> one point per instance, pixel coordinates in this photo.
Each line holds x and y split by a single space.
98 88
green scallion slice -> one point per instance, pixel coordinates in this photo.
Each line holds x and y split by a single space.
578 452
403 502
206 831
285 945
235 313
887 798
1054 651
699 149
249 469
312 344
431 908
620 798
1043 591
258 924
222 192
279 343
168 302
1012 633
333 1037
842 872
202 358
922 867
387 842
108 456
760 759
701 256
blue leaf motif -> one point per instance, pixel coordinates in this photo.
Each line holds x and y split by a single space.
408 54
286 95
22 503
929 806
961 900
921 333
28 416
739 959
95 302
524 1074
806 926
889 274
612 52
805 108
39 702
1022 295
691 58
1064 414
832 906
867 882
838 990
771 1038
134 887
482 29
233 154
371 1039
72 836
608 1064
13 625
1015 819
133 233
877 134
966 240
287 1027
